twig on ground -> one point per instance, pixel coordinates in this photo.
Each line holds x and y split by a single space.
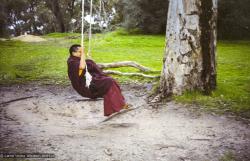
200 139
14 100
163 146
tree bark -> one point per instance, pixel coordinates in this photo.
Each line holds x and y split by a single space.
189 59
55 8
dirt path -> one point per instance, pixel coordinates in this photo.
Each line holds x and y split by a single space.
57 122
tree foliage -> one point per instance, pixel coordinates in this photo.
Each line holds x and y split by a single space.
147 16
45 16
234 19
151 16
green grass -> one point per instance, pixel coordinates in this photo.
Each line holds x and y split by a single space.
21 62
233 78
61 35
46 61
228 157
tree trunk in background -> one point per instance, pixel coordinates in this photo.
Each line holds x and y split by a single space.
3 20
54 6
71 8
189 59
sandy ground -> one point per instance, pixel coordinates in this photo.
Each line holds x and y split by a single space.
29 38
59 121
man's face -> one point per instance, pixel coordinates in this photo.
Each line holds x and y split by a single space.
78 52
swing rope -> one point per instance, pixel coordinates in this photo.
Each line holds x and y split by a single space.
82 34
87 74
90 28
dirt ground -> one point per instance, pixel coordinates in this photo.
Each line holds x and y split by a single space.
61 122
29 38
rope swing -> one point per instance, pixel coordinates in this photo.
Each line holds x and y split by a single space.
90 28
87 74
82 35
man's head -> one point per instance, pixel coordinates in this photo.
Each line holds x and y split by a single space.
75 50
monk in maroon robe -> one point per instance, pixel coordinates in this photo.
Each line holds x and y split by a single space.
101 84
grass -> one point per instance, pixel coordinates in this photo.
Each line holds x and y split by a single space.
233 78
22 62
46 61
228 157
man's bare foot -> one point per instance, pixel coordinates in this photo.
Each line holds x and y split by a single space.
127 106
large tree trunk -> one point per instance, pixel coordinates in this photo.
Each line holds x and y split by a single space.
189 59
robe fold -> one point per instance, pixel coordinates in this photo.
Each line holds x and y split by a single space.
100 82
100 86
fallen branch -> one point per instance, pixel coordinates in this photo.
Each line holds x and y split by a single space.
18 99
129 74
124 64
162 146
200 139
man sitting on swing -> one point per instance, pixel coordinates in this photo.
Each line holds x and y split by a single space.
101 85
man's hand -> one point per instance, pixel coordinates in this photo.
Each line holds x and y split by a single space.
82 50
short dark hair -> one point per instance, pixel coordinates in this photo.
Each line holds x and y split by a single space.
74 48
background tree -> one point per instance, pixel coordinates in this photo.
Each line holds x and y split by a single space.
145 15
3 19
233 19
189 60
46 16
55 7
149 17
14 12
22 16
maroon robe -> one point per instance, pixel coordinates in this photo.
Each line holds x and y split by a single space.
100 86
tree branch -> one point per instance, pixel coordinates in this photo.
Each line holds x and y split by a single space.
129 74
124 64
18 99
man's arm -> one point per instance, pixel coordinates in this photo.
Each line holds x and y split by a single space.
82 64
82 61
